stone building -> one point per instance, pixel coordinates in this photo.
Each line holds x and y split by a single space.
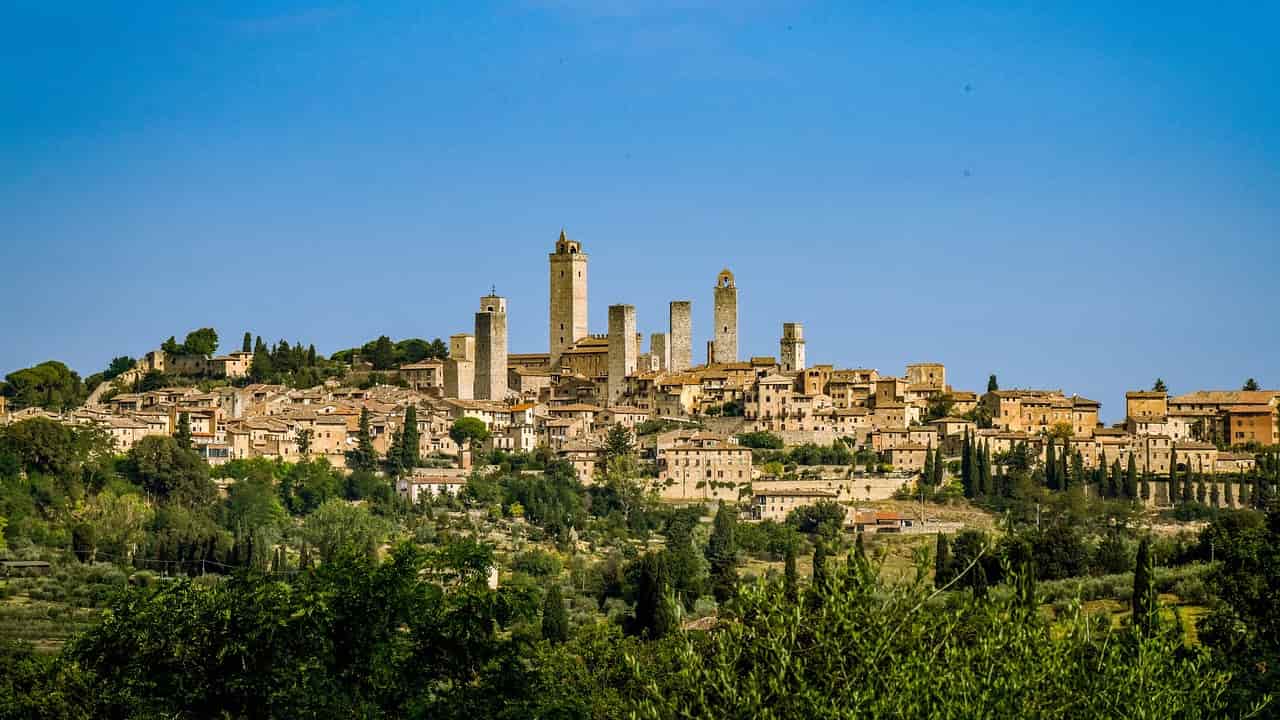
929 374
725 348
706 467
460 368
491 349
792 347
568 295
681 335
622 349
659 351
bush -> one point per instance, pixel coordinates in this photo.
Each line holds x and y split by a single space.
537 563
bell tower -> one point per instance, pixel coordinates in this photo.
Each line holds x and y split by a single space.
568 295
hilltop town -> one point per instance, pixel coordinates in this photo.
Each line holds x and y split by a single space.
696 424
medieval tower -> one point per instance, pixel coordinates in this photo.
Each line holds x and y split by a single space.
623 349
460 368
491 349
726 316
680 339
568 295
792 347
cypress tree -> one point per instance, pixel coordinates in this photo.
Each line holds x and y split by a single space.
1215 496
979 582
247 344
926 476
1244 494
1226 493
1144 590
364 457
311 356
819 565
1188 489
1146 488
966 466
1200 489
409 438
938 468
791 581
183 434
652 618
941 562
555 619
722 554
1131 479
1050 466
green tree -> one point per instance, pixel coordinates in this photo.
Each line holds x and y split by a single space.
410 438
364 456
168 472
49 385
819 565
942 562
1250 385
655 614
722 553
555 619
468 432
1159 386
992 384
246 345
1143 601
938 469
302 438
791 579
117 367
760 440
338 527
201 342
182 435
383 354
618 443
1131 479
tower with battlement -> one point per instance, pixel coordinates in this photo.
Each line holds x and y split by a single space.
568 295
725 349
491 349
460 367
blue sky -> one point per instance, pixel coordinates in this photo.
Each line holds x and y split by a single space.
1082 196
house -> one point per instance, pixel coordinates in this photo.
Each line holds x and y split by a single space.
427 483
776 505
705 467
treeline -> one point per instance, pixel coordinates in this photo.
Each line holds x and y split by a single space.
421 635
384 354
157 507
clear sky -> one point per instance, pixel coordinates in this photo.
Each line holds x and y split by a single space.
1081 196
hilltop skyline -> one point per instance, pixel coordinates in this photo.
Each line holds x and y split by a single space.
1075 198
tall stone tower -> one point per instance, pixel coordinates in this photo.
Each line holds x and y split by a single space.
622 348
491 349
568 295
460 368
660 351
681 339
726 315
792 347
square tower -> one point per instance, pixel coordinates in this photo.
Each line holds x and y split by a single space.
491 349
681 340
623 349
726 316
660 351
568 295
460 368
792 347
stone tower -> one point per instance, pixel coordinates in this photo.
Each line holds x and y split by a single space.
460 368
792 347
491 349
568 295
681 337
659 350
726 315
622 349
